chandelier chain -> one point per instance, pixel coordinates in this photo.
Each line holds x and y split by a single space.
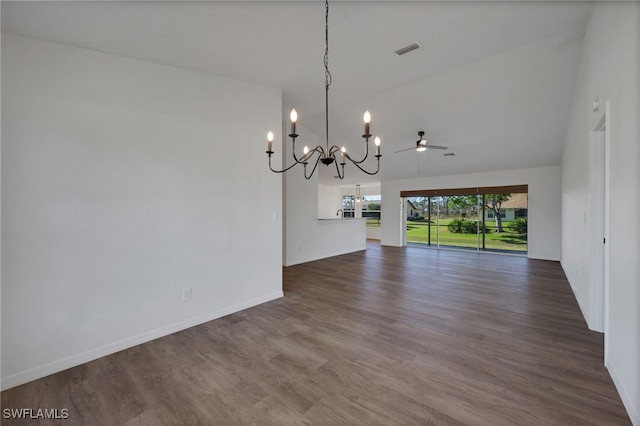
325 155
327 74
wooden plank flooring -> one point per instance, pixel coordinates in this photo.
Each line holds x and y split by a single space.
397 336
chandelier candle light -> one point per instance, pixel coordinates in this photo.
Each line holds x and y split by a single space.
326 154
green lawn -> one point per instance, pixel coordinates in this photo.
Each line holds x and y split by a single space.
373 222
507 240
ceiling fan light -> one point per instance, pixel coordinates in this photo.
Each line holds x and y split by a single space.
421 148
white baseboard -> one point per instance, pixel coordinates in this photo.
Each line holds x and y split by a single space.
629 404
38 372
313 258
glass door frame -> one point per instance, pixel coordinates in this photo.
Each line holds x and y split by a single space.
481 208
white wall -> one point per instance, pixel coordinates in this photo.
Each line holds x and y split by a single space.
124 182
306 237
609 69
544 204
329 201
373 233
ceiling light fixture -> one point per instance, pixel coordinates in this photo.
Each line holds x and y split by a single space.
421 144
359 197
326 154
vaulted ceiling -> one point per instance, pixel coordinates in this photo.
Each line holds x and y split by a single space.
493 80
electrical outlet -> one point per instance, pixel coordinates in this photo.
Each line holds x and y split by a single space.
186 294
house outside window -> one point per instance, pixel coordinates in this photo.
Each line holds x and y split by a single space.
490 215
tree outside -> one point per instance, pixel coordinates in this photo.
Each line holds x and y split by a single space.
494 202
373 206
470 203
464 205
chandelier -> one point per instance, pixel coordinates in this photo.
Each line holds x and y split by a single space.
359 197
325 154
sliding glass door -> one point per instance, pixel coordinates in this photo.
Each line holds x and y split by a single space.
495 221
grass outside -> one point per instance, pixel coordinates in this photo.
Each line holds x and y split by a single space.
373 222
417 232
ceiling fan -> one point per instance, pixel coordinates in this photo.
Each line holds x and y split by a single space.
422 144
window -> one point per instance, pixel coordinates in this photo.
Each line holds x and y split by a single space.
348 205
466 218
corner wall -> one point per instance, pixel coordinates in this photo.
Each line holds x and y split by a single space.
124 182
544 204
610 70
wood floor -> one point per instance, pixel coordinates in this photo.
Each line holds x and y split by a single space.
406 336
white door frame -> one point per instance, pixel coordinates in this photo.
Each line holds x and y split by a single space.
599 168
607 216
403 221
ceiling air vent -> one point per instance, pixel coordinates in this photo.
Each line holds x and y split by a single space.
408 48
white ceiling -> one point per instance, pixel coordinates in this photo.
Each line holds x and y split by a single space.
493 80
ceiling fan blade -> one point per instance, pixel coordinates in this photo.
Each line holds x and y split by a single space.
406 149
437 147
